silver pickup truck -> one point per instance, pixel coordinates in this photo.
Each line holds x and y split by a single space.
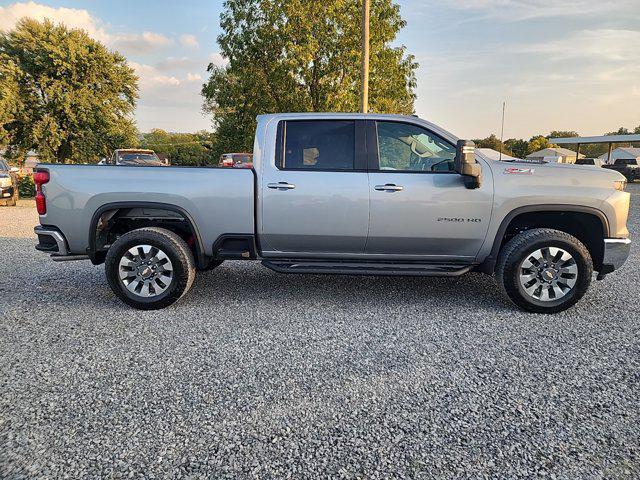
342 194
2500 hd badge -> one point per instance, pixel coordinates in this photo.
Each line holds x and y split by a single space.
459 220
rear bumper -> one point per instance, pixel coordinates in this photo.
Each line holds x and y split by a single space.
51 241
616 252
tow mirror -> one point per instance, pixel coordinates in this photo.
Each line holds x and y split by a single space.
466 165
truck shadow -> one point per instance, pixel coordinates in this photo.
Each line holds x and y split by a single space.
245 281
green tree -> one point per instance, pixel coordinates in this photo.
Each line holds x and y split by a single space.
517 146
620 131
75 98
492 142
539 142
563 134
296 56
9 98
189 149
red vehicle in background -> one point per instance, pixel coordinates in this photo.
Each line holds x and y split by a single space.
236 160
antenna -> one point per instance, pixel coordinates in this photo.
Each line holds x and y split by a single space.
504 104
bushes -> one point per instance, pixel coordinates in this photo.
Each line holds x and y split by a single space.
26 187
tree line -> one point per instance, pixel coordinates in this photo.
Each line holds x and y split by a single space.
520 148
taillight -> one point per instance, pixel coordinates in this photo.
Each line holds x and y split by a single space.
40 177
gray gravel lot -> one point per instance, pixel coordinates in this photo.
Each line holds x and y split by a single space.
256 375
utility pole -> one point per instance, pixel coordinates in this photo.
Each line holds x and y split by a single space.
502 129
364 94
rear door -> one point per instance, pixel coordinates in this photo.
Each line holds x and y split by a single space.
419 204
315 193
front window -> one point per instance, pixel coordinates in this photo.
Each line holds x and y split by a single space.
410 148
319 145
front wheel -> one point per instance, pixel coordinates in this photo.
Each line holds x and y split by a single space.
544 270
150 268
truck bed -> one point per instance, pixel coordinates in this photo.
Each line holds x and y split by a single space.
218 200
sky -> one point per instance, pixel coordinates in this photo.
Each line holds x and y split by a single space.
558 65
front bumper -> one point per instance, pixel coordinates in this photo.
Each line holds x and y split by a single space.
6 192
616 252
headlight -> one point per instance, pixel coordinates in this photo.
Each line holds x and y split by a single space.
620 185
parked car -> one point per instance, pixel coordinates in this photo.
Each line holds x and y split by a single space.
626 166
8 184
236 160
133 157
343 194
596 162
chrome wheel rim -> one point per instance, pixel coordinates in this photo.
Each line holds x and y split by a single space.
145 271
548 274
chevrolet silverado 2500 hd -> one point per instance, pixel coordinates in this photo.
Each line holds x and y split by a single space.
345 194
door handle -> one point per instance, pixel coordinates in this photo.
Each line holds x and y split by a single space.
389 187
281 186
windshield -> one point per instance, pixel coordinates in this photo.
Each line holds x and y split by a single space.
139 159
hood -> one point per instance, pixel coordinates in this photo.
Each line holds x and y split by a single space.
567 171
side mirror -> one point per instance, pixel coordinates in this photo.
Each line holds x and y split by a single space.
466 165
14 170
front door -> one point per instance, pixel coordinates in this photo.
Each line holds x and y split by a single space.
419 204
316 195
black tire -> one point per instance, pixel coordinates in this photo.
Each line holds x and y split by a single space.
167 242
211 264
511 263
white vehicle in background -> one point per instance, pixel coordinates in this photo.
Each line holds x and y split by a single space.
133 157
596 162
8 184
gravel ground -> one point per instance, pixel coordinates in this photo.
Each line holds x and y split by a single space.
256 375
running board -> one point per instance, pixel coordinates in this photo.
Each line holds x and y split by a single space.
366 268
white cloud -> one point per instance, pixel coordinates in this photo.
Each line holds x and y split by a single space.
193 77
140 43
189 41
601 45
151 77
80 18
72 17
217 59
516 10
181 63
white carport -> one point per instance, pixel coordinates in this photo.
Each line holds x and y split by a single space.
609 139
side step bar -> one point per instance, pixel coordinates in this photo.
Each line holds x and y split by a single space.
366 268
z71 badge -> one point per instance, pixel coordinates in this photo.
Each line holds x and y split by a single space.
519 171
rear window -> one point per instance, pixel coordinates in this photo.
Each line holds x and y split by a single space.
585 161
318 145
138 159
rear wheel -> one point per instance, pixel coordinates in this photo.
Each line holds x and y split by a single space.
544 270
150 268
